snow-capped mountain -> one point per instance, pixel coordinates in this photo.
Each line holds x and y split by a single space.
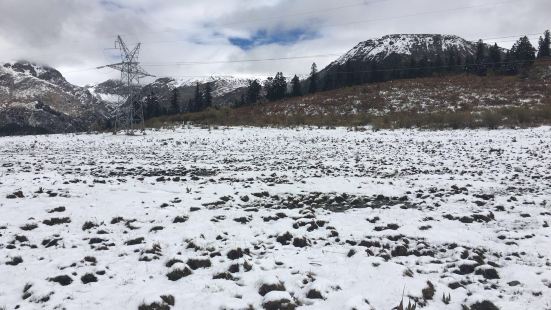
396 56
35 98
410 45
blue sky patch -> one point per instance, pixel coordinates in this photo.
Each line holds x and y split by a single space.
263 37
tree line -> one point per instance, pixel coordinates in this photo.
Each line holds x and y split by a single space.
202 100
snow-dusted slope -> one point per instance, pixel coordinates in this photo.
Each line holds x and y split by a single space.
40 99
221 85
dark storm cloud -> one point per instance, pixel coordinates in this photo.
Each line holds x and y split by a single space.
74 35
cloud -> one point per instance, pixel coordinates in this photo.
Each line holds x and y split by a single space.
76 36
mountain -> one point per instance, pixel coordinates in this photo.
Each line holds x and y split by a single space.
394 56
407 46
38 99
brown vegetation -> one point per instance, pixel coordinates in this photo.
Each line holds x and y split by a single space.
459 101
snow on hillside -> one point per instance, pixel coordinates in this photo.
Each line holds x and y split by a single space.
226 84
221 84
245 218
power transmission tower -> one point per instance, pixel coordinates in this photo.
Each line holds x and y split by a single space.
131 110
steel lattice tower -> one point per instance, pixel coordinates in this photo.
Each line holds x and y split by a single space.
131 110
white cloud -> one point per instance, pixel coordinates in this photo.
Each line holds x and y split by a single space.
72 35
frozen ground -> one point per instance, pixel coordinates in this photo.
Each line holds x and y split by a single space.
268 218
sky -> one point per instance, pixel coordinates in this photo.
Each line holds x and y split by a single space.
190 39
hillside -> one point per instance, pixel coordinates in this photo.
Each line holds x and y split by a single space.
465 96
424 70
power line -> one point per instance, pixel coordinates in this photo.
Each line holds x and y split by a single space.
241 60
190 63
403 68
336 54
383 70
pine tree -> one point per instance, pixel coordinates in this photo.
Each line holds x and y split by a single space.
253 92
523 51
439 64
411 70
197 99
424 67
280 86
469 64
521 55
296 89
544 48
313 79
376 73
242 101
495 56
349 80
151 108
276 87
270 88
174 105
451 62
480 58
190 105
207 96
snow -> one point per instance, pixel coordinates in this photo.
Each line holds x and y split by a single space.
221 84
111 100
381 213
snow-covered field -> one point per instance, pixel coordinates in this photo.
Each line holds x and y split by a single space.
276 218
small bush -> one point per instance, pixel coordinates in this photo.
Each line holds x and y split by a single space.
88 225
63 280
15 261
266 288
154 306
135 241
168 299
428 292
29 227
178 273
180 219
57 221
195 264
88 278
